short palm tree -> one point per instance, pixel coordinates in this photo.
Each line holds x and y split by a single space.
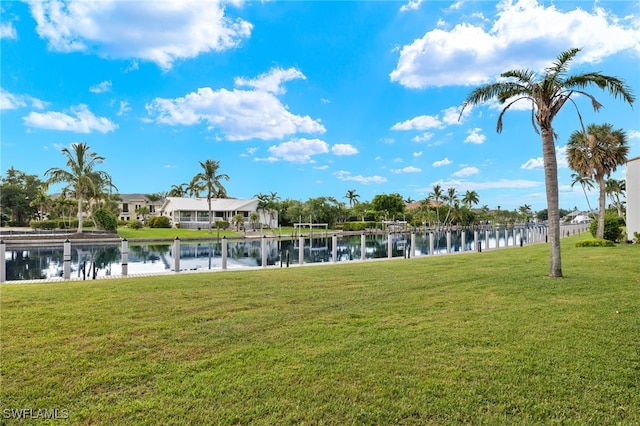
596 154
436 196
210 181
470 198
547 94
81 174
615 188
585 182
352 196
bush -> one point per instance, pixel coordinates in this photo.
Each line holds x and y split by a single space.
134 224
222 224
159 222
612 227
358 226
105 220
597 242
45 224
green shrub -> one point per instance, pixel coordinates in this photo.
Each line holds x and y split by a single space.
159 222
358 226
134 224
597 242
222 224
612 227
105 220
44 224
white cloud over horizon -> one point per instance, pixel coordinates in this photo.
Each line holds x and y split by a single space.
238 114
12 101
408 169
474 136
299 150
444 162
271 81
161 31
79 120
102 87
365 180
470 54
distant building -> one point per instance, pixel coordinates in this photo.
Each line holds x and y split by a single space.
193 213
633 197
129 203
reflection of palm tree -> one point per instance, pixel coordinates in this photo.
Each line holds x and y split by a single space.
547 95
81 175
595 154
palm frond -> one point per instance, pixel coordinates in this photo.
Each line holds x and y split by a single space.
615 86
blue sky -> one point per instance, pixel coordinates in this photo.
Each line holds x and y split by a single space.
305 99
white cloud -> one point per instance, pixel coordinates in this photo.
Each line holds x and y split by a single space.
324 101
325 167
346 176
466 171
12 101
634 134
238 114
421 122
475 136
81 121
271 81
423 137
443 162
7 30
408 169
160 31
461 185
105 86
388 141
522 31
299 150
412 5
417 154
268 159
538 163
341 149
124 108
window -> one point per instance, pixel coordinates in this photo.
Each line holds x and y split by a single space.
125 208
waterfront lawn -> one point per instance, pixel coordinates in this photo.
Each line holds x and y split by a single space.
172 233
482 338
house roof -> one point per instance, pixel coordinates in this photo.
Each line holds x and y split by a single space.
200 204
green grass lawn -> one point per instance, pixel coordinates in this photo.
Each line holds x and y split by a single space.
172 233
483 338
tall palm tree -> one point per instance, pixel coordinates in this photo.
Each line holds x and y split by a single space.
352 196
451 198
547 94
585 182
436 196
470 198
615 188
81 174
596 154
210 181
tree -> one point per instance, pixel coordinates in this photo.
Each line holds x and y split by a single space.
470 199
81 175
238 221
18 190
178 190
143 211
268 203
615 188
525 212
451 198
436 196
352 196
209 180
547 94
389 205
585 182
42 201
254 219
595 155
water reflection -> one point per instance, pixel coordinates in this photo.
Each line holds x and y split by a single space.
28 263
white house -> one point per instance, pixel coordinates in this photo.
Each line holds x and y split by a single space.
193 213
129 203
633 197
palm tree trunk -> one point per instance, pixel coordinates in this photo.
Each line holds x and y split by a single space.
551 183
210 218
602 200
79 213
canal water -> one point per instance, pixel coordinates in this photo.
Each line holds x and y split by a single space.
93 261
